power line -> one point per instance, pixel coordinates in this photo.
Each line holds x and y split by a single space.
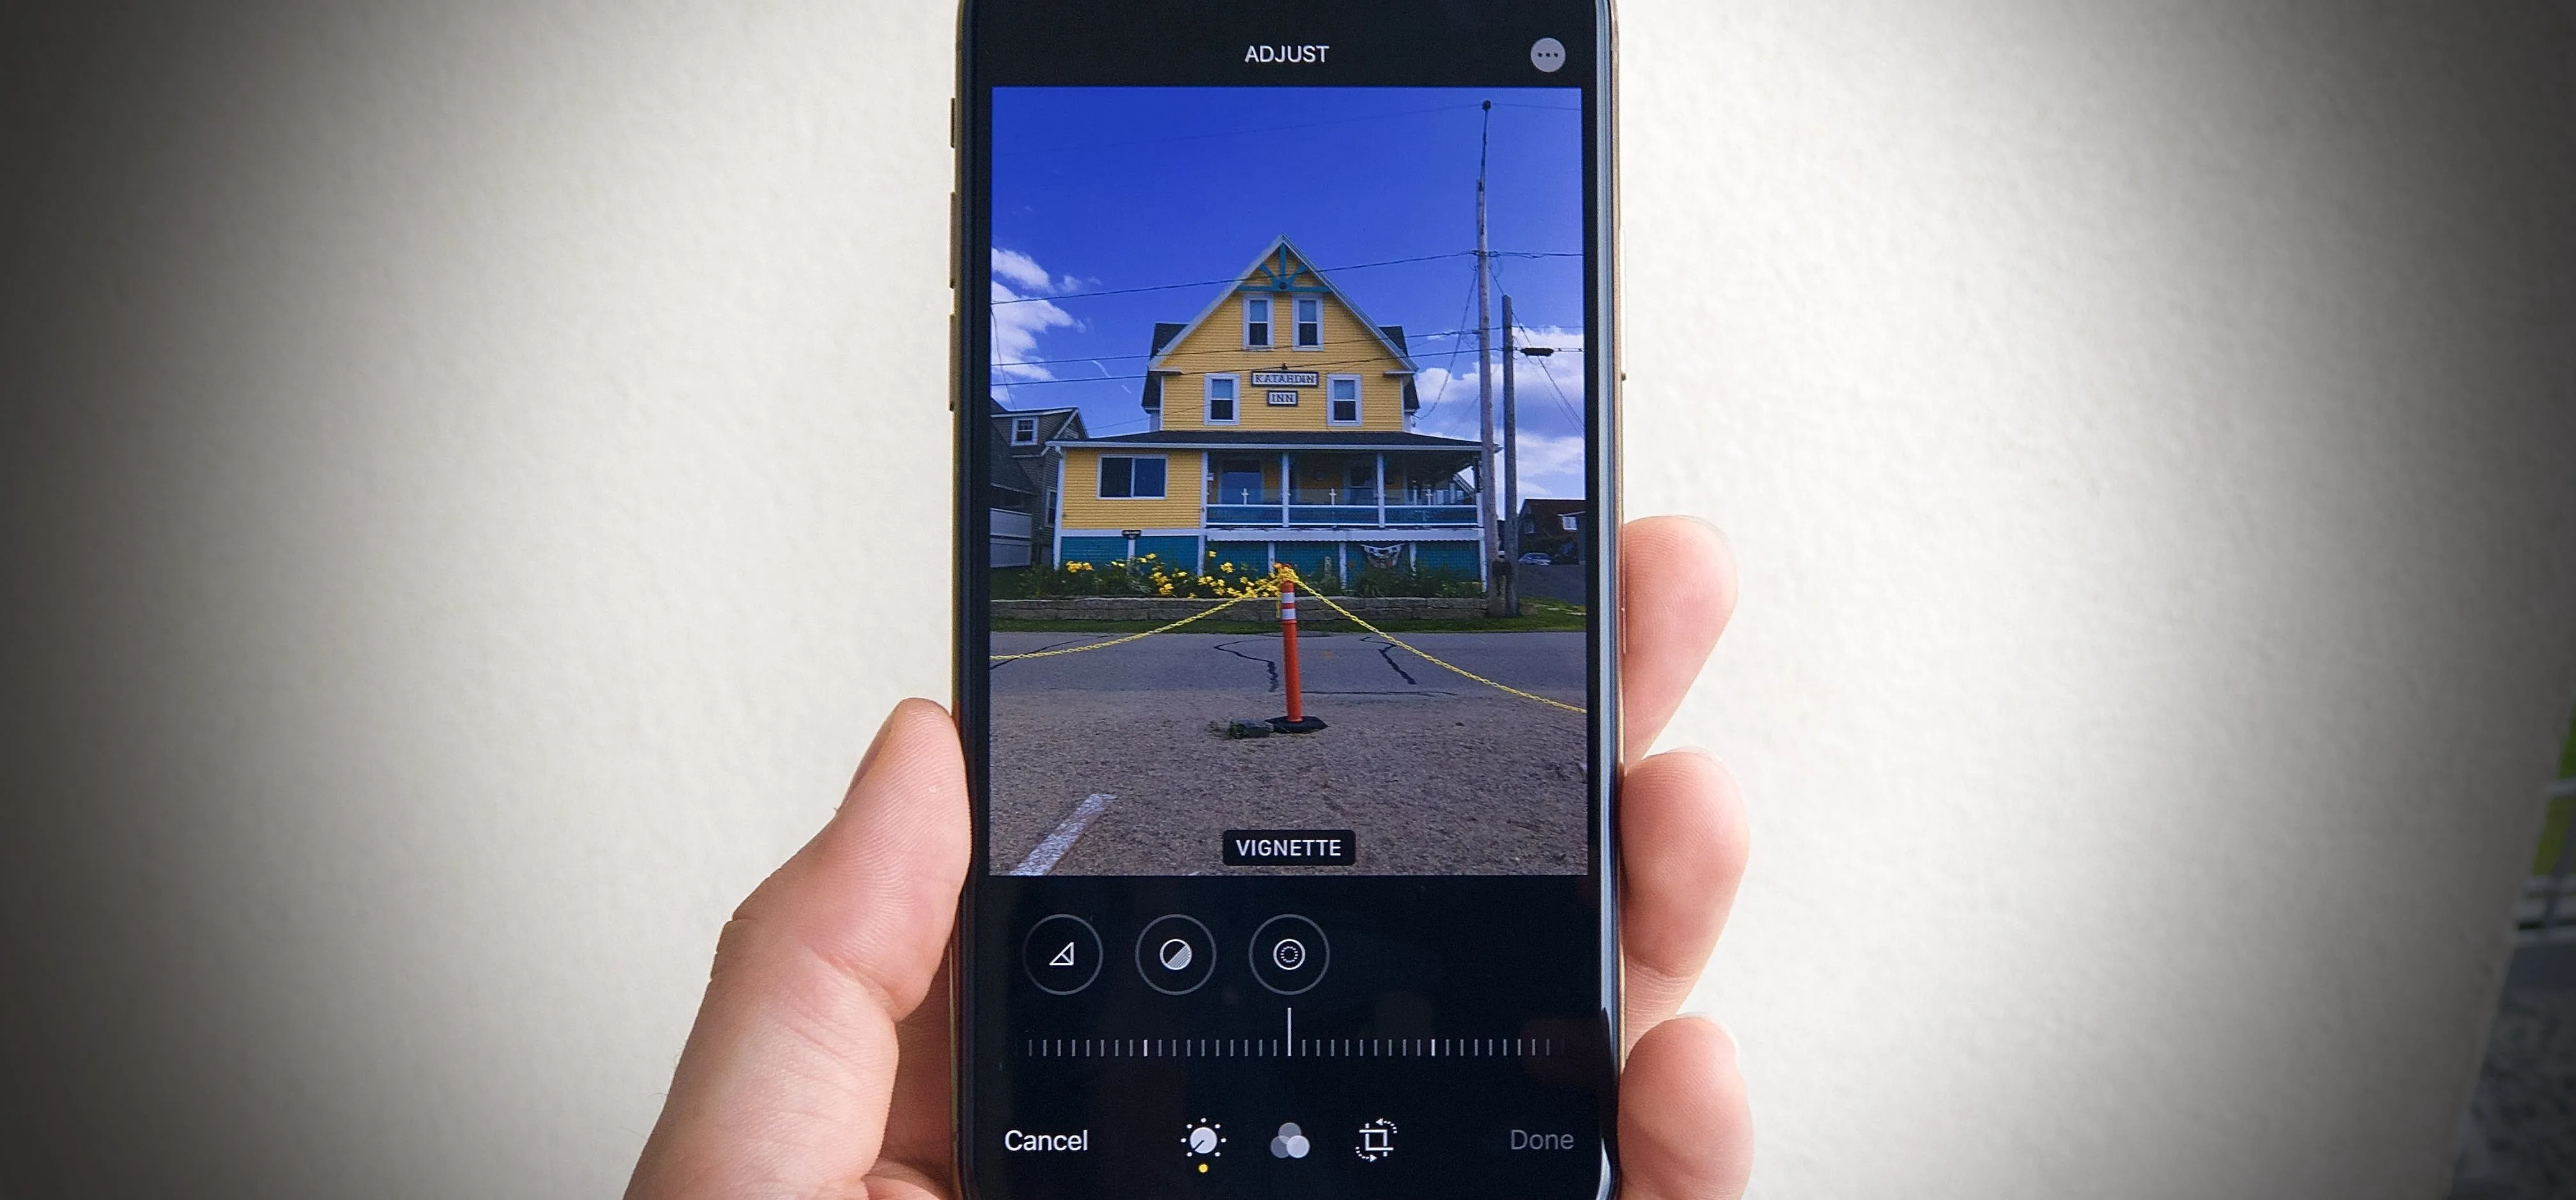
1392 262
1409 337
1449 370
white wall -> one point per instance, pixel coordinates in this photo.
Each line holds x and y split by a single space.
466 513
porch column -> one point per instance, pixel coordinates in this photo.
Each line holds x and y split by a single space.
1381 489
1287 490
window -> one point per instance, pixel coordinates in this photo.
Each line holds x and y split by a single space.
1024 431
1125 478
1221 392
1570 523
1310 324
1256 322
1345 397
1362 480
1238 481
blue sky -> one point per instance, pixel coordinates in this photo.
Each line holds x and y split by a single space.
1097 191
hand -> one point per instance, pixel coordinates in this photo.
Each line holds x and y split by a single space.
817 1069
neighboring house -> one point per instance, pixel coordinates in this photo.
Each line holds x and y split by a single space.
1552 527
1280 433
1023 471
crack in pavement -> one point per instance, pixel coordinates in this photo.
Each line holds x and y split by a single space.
1386 650
1270 665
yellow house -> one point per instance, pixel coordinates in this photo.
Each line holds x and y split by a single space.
1281 431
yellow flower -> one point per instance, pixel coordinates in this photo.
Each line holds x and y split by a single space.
1221 566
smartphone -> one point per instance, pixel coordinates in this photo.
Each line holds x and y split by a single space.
1287 469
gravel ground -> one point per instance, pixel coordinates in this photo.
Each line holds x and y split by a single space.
1435 779
2525 1107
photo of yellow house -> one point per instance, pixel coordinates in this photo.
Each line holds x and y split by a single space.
1280 430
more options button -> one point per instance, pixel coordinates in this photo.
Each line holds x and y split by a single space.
1289 954
1062 954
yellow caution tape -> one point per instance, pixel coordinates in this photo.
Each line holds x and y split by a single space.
1133 637
1436 660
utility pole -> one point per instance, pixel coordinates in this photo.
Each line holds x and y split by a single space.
1495 604
1511 470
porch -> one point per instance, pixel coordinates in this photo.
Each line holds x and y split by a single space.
1341 489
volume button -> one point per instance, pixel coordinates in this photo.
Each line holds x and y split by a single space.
953 248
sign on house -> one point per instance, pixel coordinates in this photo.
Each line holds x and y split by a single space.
1285 379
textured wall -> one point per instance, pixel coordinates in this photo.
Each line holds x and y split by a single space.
459 472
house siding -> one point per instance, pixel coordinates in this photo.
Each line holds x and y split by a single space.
1184 476
1216 347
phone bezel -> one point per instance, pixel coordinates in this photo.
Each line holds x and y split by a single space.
970 235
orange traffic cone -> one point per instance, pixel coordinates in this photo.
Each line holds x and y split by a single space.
1296 721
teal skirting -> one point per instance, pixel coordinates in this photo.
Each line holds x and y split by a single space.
1337 561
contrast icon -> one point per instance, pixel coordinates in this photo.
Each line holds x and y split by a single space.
1175 954
1377 1140
1291 1142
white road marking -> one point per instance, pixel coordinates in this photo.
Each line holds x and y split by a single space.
1043 859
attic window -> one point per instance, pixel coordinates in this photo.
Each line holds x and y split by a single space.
1310 324
1256 321
1024 431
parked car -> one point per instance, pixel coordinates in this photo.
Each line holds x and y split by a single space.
1536 559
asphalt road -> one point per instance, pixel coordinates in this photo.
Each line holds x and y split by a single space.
1434 773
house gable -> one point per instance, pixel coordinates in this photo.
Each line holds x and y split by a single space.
1353 353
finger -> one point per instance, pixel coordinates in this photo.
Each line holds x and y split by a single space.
1676 589
784 1083
1682 843
1685 1131
920 1139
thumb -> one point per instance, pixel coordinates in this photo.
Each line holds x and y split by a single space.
784 1083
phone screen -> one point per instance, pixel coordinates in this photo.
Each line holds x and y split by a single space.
1284 429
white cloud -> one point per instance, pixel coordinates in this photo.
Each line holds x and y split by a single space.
1551 433
1020 315
1021 270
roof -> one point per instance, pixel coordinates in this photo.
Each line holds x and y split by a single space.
1004 471
1278 245
1554 507
1320 439
1000 409
1052 423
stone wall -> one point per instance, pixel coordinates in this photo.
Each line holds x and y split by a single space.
1309 610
